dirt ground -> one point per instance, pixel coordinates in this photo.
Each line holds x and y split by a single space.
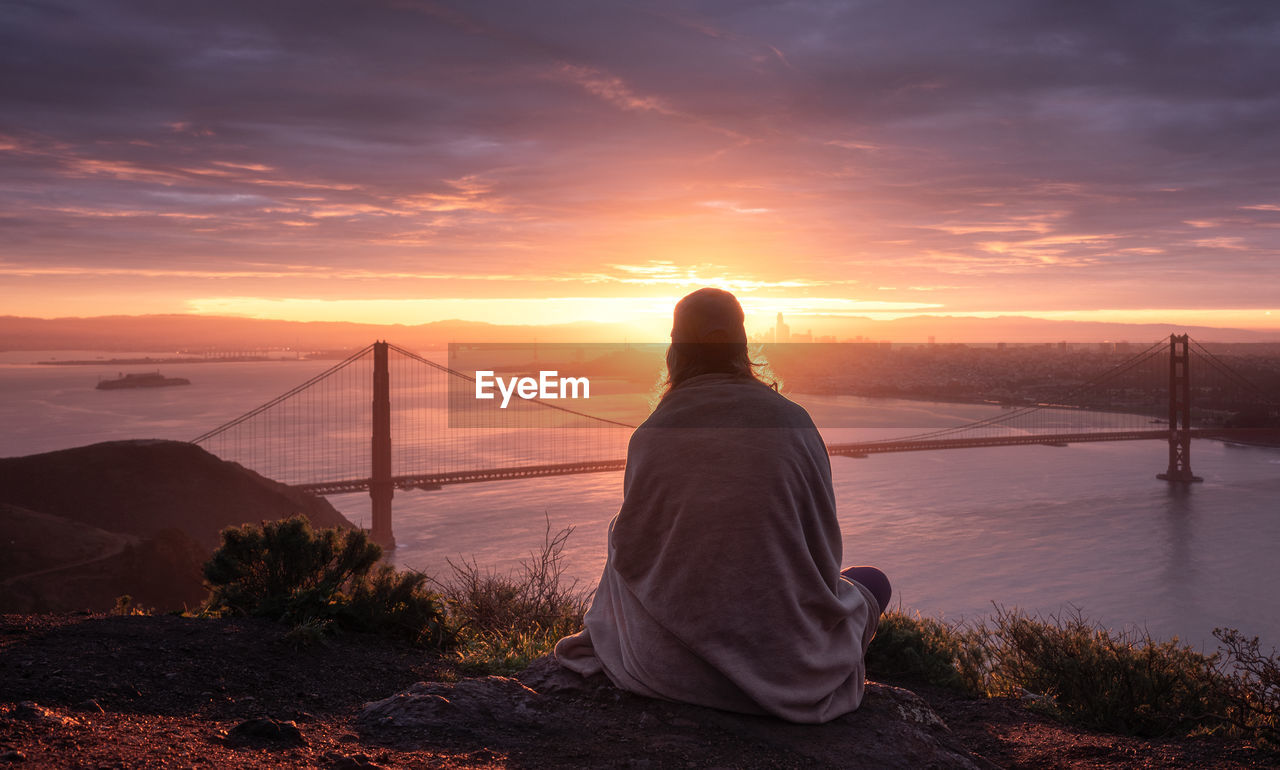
85 690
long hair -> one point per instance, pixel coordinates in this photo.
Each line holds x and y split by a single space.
686 360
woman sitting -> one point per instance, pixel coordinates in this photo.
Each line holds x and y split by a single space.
723 585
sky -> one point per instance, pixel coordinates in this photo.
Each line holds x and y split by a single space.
397 161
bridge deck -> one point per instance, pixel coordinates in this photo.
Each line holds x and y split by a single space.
437 480
1049 439
856 449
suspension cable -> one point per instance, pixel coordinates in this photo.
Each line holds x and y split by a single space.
259 410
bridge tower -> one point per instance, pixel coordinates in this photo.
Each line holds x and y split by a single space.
1179 413
381 487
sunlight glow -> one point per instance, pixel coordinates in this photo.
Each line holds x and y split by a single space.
643 313
1248 318
650 316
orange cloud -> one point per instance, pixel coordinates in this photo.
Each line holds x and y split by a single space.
612 89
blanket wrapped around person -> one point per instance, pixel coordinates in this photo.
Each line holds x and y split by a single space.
722 586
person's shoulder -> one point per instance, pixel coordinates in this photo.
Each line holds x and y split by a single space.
798 416
715 400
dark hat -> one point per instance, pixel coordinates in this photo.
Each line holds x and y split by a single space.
708 315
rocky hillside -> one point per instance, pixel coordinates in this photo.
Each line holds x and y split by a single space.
166 691
141 487
83 526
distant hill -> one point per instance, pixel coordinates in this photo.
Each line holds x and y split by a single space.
945 329
141 487
40 541
193 332
83 526
196 332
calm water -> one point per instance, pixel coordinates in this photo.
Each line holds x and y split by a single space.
1042 528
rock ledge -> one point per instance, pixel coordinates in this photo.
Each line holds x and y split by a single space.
894 728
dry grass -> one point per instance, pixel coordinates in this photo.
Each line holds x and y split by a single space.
1083 673
506 620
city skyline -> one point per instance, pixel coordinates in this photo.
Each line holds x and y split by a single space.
417 162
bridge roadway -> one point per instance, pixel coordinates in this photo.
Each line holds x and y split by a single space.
1261 436
437 480
864 448
857 449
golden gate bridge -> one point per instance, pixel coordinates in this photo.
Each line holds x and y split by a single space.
386 418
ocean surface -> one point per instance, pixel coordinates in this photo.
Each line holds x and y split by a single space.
1051 530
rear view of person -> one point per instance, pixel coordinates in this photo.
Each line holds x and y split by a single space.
723 585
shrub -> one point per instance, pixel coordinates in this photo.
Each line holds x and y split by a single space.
284 569
125 606
507 620
1252 686
397 603
308 634
1124 682
923 649
1080 672
287 571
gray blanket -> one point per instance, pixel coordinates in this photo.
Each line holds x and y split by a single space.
722 586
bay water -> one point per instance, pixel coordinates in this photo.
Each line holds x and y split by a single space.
1049 530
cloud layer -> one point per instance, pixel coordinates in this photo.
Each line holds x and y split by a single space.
982 156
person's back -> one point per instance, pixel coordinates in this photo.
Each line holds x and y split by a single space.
723 584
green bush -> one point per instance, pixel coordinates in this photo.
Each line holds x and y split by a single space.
925 650
397 603
287 571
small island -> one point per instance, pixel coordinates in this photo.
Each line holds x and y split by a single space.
141 380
